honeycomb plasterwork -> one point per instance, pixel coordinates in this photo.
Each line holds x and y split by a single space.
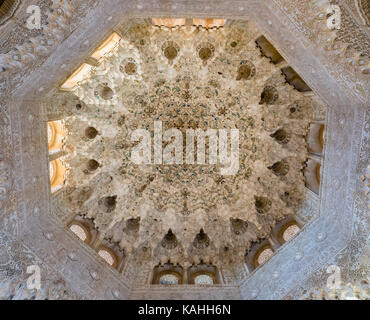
183 92
342 191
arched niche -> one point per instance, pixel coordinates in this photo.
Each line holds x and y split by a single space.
169 241
111 253
315 138
312 175
108 256
286 230
253 258
262 255
86 225
56 136
81 231
57 171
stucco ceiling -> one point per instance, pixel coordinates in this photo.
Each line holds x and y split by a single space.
339 82
186 78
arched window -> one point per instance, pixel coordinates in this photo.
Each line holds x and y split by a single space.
287 231
290 232
263 255
80 231
209 23
108 256
168 22
168 278
203 279
80 74
57 171
56 135
203 274
312 175
107 47
167 274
